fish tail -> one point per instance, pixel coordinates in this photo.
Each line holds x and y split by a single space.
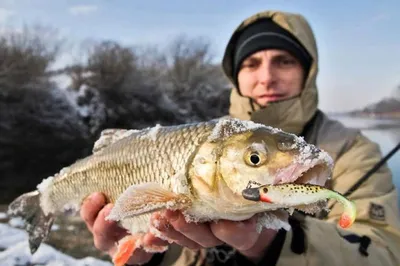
349 214
37 223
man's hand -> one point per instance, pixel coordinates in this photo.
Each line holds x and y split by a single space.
240 235
106 233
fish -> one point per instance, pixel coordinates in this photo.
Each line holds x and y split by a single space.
290 195
199 169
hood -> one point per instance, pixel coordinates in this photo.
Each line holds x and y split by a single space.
290 115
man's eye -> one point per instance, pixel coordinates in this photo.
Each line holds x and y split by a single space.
250 65
288 61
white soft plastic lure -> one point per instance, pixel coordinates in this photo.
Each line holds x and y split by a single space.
291 195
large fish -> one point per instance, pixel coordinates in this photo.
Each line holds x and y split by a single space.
200 169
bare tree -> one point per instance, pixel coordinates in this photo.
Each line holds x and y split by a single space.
151 62
110 64
40 132
194 80
188 61
26 55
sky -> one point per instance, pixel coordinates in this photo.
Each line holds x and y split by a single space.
358 41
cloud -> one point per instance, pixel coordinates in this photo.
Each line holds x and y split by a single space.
380 17
5 15
82 9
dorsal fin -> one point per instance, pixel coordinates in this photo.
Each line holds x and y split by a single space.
109 136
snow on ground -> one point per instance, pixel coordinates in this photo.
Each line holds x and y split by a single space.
14 243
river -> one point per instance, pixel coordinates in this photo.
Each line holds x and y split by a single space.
387 138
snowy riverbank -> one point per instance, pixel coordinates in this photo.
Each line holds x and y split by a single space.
14 249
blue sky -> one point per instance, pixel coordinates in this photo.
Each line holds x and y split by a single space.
358 41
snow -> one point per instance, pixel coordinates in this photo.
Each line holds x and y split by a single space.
14 241
307 154
45 184
16 222
111 135
153 132
55 227
87 103
273 220
226 127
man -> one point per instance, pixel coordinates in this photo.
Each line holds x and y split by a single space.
272 61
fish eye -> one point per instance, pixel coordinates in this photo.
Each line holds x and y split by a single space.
265 190
255 158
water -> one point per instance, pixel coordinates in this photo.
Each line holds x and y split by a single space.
386 138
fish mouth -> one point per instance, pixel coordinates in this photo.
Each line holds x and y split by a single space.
316 173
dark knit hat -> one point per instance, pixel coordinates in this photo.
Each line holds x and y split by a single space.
265 34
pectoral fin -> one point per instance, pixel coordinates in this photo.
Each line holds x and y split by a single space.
144 198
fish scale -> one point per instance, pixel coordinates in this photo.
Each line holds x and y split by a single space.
130 161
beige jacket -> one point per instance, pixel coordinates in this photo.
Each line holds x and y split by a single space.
374 239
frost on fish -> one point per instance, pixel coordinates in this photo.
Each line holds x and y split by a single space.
111 135
44 185
227 127
273 220
152 134
309 154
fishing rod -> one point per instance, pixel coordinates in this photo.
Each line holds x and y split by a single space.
367 175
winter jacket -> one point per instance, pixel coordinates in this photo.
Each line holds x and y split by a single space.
374 238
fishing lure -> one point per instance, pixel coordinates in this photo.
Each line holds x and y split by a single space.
292 195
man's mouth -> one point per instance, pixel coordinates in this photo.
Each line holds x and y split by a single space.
271 97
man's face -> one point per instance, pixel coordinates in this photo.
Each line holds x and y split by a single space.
270 75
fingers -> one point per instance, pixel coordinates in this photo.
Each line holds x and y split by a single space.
139 257
262 243
106 233
167 230
239 235
174 226
151 240
90 209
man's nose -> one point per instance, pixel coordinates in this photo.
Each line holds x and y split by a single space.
265 73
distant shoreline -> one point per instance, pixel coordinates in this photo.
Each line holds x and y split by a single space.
391 122
380 127
375 116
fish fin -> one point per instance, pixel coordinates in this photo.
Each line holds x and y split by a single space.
109 136
145 198
126 247
37 223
